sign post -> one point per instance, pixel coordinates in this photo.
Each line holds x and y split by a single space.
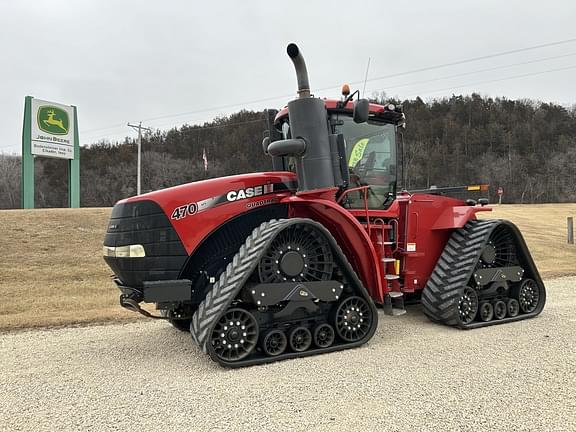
27 176
50 130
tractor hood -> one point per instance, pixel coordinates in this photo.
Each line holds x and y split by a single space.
196 209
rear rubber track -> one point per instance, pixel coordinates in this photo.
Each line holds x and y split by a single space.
456 265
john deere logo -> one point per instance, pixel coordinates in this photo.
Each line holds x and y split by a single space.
53 120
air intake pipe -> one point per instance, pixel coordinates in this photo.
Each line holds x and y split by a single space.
311 141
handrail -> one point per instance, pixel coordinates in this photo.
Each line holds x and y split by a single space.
364 189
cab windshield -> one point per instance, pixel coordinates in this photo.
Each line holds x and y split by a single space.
371 156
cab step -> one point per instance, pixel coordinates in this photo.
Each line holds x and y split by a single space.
394 303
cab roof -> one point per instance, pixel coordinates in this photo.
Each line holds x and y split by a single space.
377 112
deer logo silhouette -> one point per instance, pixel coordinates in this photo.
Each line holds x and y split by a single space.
53 120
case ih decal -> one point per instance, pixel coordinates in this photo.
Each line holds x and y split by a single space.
250 192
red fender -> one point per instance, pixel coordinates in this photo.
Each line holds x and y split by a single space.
348 232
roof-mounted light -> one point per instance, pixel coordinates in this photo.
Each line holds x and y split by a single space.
345 90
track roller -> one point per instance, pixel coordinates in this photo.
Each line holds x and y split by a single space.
499 309
324 335
274 343
486 311
300 339
513 307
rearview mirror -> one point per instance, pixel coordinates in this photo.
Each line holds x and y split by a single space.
361 111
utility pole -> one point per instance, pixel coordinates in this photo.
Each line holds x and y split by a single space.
139 128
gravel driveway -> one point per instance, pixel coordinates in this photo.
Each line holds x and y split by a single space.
413 375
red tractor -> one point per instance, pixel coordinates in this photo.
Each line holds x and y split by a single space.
275 265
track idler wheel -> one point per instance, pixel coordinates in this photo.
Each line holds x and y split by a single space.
235 335
324 335
486 311
528 296
300 339
353 319
468 305
274 343
500 309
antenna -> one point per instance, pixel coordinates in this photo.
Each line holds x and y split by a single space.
366 77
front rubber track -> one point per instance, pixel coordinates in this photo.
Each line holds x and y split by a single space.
244 263
456 265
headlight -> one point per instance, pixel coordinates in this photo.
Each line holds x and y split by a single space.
129 251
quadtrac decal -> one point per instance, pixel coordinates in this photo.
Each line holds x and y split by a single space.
193 208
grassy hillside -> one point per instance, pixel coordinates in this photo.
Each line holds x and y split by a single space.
52 273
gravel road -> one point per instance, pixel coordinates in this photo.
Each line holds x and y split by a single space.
413 375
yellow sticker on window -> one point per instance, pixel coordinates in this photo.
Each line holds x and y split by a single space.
357 152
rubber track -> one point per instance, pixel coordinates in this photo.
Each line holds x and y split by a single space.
455 267
237 273
231 281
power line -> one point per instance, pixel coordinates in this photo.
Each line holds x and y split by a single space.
413 71
198 128
473 59
202 110
497 80
221 126
475 72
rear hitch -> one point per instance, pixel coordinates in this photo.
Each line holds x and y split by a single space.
132 303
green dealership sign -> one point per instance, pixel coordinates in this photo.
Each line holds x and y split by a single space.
50 130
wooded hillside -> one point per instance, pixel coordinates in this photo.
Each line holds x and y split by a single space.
526 147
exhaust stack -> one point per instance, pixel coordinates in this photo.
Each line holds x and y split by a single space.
301 71
312 145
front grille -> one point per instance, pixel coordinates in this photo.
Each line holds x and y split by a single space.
144 222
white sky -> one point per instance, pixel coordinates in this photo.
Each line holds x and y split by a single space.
121 61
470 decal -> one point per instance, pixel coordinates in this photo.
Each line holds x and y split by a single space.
184 210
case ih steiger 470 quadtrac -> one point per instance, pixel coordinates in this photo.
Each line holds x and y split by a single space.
268 266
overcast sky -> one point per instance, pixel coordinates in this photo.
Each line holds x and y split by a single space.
172 62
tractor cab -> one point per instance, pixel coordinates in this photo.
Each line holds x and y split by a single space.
370 155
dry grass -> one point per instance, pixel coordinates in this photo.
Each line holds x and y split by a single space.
52 273
544 229
51 269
